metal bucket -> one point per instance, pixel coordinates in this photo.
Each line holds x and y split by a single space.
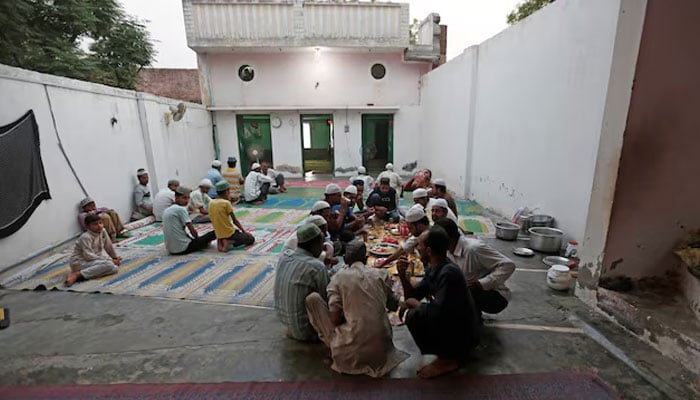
546 240
541 221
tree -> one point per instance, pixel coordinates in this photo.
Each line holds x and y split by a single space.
524 9
92 40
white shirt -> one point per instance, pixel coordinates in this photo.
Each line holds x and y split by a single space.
367 179
253 183
429 212
197 200
164 199
477 260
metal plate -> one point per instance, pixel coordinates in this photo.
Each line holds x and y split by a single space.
523 252
556 260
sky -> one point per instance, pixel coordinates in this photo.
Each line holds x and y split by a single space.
468 22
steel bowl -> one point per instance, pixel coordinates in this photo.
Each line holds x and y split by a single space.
541 221
546 240
507 231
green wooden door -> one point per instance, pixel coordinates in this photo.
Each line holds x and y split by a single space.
254 140
377 141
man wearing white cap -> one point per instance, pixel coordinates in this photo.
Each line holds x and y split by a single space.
143 204
339 207
394 178
362 174
300 273
439 209
327 255
214 176
257 185
417 223
351 221
110 218
440 192
198 207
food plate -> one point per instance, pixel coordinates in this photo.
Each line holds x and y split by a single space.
383 249
556 260
523 252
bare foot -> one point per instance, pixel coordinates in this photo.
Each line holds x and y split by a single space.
72 278
222 245
257 203
441 366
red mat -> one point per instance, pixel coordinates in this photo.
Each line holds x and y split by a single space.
543 386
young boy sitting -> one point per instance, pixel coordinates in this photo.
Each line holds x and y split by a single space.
88 260
175 219
223 219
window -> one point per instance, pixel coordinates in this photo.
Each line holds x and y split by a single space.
246 73
378 71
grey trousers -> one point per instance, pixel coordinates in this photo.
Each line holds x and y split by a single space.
320 317
98 268
279 181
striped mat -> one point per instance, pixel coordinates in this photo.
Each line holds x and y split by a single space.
233 278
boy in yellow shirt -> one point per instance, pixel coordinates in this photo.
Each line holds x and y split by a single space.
225 222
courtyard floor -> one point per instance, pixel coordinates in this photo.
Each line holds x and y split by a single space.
59 337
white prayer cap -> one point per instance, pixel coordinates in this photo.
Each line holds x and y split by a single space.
316 220
440 203
216 163
332 188
351 189
141 172
255 166
420 193
206 183
389 167
320 205
439 182
362 170
415 213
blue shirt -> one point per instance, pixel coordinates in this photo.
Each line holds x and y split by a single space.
214 176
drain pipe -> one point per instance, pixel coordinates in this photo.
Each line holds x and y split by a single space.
214 135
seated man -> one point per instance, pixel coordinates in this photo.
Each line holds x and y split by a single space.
110 219
417 223
198 207
339 208
420 196
441 210
225 222
440 192
143 205
366 179
485 269
234 178
448 325
277 185
351 222
394 178
164 199
359 198
214 176
257 185
300 273
328 250
385 201
88 260
354 324
420 180
175 220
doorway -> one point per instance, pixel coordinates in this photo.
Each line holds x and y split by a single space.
317 143
254 140
377 141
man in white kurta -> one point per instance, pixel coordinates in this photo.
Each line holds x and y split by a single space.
354 323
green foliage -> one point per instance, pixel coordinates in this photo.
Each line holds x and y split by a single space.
524 9
413 31
46 36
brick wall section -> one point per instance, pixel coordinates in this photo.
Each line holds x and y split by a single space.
443 44
180 84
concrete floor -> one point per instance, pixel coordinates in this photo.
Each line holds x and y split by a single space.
73 338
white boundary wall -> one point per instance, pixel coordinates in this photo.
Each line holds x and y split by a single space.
105 156
517 121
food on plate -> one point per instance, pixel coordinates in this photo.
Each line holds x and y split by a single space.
390 240
383 249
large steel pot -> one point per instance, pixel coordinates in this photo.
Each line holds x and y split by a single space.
507 231
546 240
541 221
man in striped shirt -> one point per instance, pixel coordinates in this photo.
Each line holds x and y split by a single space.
300 273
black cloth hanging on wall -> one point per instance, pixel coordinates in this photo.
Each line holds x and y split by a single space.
23 183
